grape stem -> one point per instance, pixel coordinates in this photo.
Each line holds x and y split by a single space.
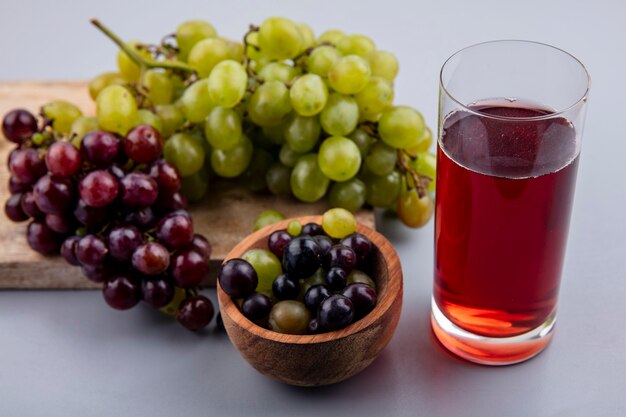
246 58
419 180
144 63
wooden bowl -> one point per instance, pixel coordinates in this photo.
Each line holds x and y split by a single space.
327 358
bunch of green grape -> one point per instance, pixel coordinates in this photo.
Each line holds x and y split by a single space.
282 111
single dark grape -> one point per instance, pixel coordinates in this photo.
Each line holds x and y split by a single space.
195 313
68 250
90 216
256 306
175 231
157 293
237 278
138 190
99 273
63 159
314 327
29 206
16 186
335 312
98 188
91 250
176 201
340 256
201 245
54 195
189 268
61 224
313 229
13 209
42 239
314 297
166 176
285 288
143 218
123 241
363 298
121 292
277 242
100 148
301 258
361 246
19 125
325 243
26 165
336 279
143 144
151 258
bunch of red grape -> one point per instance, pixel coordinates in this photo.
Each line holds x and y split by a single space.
112 206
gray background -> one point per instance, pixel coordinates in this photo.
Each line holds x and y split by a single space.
68 354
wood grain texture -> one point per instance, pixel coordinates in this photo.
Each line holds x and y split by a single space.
327 358
225 217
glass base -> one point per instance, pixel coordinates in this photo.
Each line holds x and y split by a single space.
490 350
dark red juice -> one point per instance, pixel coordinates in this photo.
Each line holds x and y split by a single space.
504 195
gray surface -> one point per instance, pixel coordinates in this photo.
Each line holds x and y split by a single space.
67 354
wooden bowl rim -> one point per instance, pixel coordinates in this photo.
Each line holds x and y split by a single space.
393 288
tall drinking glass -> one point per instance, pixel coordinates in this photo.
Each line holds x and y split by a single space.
511 119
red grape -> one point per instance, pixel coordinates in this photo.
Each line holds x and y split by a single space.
151 258
123 240
201 245
63 159
143 218
30 206
97 274
100 148
256 306
90 216
27 166
138 190
189 268
195 312
277 242
54 195
16 186
91 250
157 292
342 257
98 188
59 223
166 176
68 250
42 239
13 209
361 245
19 125
121 292
237 278
143 144
363 298
175 231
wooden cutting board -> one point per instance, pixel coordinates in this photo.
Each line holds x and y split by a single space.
225 216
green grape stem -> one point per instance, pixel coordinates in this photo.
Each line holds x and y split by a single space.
246 58
144 63
420 181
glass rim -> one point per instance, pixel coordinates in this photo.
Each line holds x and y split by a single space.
556 113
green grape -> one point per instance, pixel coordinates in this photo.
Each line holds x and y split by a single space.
278 71
277 179
340 116
207 53
267 217
232 163
236 50
339 158
222 128
414 211
332 36
171 119
128 69
254 176
171 309
280 38
270 104
190 33
104 80
424 143
195 186
382 191
227 83
357 276
308 37
401 127
266 265
381 159
197 134
375 98
196 103
349 75
146 117
185 152
290 317
308 182
356 45
276 134
383 64
254 54
159 87
338 223
362 140
301 133
318 278
294 228
179 87
349 195
288 156
116 109
322 59
308 95
62 114
426 164
81 127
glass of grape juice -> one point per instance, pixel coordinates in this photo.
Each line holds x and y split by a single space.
511 117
